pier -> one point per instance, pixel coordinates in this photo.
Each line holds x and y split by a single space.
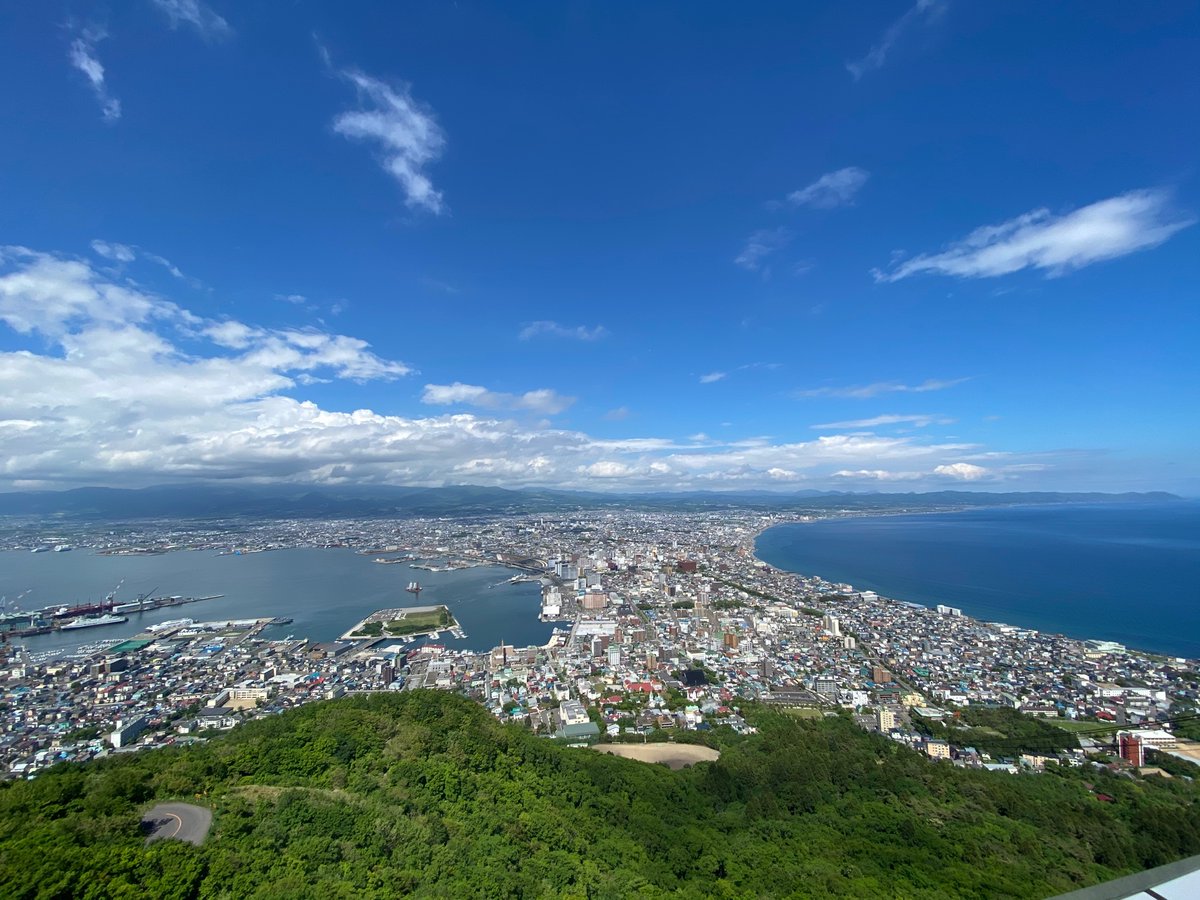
56 618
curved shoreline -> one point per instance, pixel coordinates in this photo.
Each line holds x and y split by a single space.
752 548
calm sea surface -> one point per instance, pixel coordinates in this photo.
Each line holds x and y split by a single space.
324 591
1122 572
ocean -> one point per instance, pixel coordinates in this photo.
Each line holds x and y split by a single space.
323 591
1113 571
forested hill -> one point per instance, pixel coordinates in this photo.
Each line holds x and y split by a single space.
424 794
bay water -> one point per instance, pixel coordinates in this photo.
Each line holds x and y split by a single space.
1125 572
324 591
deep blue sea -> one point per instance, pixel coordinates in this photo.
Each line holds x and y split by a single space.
1116 571
324 591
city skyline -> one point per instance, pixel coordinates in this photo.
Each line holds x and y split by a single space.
925 247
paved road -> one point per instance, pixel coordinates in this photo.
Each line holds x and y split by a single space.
181 821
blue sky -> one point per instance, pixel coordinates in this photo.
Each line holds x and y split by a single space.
601 246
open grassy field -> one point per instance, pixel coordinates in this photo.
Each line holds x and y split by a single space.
674 756
420 621
1074 725
403 622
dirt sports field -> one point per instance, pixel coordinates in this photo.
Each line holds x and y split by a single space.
676 756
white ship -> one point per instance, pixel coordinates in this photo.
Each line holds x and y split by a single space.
174 623
94 621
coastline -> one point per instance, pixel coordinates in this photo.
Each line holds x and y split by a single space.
752 542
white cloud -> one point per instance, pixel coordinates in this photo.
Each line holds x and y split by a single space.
235 335
777 474
294 299
553 329
863 391
166 264
82 55
832 189
1105 230
962 471
115 252
874 422
608 469
104 383
923 12
405 131
711 377
197 15
760 245
543 400
876 475
620 414
116 344
124 253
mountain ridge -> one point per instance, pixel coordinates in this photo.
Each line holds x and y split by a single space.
305 501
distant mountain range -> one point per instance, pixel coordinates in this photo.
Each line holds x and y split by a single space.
307 501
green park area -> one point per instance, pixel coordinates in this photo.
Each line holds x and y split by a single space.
1001 732
417 621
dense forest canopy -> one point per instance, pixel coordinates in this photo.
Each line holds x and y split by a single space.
423 793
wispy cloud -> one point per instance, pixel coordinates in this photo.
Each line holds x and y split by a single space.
443 287
1105 230
712 376
832 189
553 329
864 391
126 253
917 421
83 57
405 131
921 13
543 400
620 414
762 244
168 265
114 251
207 23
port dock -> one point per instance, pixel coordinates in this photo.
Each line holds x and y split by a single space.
87 615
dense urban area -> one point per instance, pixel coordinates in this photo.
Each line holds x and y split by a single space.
669 624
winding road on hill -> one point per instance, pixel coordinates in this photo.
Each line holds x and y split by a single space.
180 821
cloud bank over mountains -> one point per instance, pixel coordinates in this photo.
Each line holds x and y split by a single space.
114 384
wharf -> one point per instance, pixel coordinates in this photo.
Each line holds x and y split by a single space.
52 618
